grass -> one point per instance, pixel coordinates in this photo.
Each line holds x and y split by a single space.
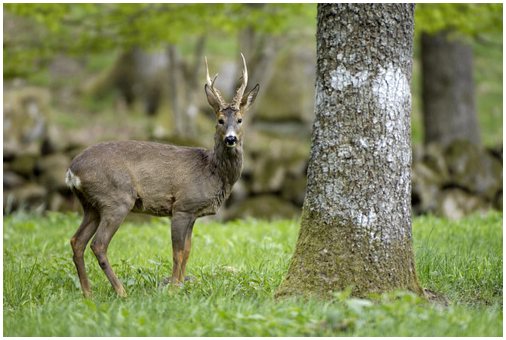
238 266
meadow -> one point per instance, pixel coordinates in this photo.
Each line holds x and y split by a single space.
237 267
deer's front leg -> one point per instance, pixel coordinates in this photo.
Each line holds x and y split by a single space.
182 224
187 249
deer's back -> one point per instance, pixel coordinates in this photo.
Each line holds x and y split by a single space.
155 177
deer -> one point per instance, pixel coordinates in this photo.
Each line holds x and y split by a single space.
111 179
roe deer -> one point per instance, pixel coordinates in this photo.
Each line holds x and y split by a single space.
113 178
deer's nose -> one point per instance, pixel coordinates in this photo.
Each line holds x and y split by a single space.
230 140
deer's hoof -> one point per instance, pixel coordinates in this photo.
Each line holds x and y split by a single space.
122 293
190 278
168 280
165 282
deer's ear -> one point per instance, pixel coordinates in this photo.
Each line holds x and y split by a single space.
249 98
211 98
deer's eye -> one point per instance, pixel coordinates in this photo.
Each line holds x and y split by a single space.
239 121
221 121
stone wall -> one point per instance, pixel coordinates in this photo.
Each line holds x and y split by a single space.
452 181
457 180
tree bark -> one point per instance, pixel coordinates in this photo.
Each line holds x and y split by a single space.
356 221
192 85
174 95
449 108
183 87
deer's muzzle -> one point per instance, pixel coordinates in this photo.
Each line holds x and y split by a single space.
230 141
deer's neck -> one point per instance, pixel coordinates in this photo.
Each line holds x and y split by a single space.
227 162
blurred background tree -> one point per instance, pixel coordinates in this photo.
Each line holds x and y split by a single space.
76 74
446 32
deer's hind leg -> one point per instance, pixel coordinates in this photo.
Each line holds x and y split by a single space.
79 241
110 220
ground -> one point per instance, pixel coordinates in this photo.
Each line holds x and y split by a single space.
238 266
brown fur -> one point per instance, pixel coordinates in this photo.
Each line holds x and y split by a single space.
113 178
156 178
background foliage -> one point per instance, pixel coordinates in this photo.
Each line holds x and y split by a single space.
99 31
91 28
472 20
97 28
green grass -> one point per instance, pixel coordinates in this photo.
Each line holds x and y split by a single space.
238 266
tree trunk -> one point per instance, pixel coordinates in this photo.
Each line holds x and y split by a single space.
174 95
260 51
183 87
356 221
449 109
192 85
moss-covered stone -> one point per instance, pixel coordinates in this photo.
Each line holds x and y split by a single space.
270 160
24 164
29 196
425 188
25 119
293 78
456 203
434 158
52 170
12 180
294 189
474 169
263 206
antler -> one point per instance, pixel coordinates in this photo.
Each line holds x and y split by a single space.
236 102
210 83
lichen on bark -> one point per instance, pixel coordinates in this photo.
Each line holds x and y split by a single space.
356 221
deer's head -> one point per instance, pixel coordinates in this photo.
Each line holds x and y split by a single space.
229 116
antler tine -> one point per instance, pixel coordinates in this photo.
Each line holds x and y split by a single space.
207 73
210 83
240 91
244 71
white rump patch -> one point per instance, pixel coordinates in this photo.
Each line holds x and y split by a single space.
72 180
